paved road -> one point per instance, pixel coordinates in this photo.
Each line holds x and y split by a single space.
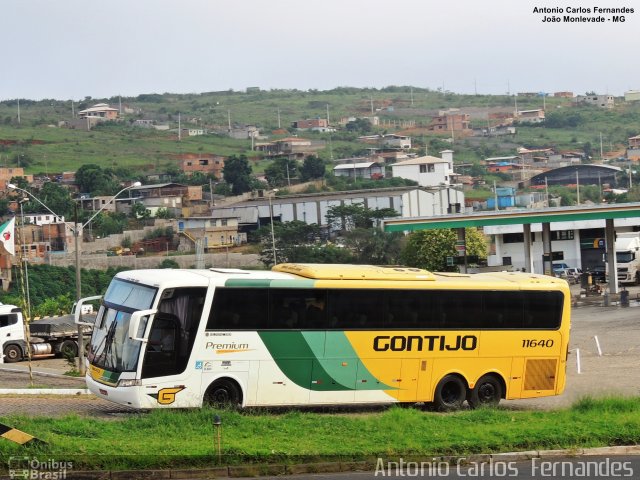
615 372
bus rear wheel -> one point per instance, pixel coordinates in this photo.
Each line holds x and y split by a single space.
223 393
450 394
487 392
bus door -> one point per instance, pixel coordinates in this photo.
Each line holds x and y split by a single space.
165 376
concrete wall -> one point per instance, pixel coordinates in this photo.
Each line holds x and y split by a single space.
102 262
115 240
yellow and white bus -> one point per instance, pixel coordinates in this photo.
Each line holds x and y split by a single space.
305 334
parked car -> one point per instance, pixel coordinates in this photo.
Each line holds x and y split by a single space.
558 268
572 275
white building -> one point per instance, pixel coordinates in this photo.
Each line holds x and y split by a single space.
602 101
313 208
632 96
396 141
582 243
359 170
428 171
42 219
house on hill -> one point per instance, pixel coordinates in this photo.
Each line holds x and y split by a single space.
99 111
428 171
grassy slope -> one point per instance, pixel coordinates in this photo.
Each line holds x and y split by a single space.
184 438
142 149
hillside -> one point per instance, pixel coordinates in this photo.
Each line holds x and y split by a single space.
39 145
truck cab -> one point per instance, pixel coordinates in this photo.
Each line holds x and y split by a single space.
628 257
11 332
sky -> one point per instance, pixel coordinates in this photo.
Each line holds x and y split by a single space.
69 49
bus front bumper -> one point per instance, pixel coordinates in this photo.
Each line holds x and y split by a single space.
128 396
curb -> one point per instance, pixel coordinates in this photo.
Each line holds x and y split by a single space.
45 391
257 470
36 372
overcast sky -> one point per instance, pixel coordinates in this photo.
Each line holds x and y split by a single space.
69 49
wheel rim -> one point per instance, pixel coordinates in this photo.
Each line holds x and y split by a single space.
11 353
221 395
487 393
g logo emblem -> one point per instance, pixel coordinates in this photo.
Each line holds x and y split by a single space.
167 396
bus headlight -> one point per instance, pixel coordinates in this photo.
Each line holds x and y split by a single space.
129 383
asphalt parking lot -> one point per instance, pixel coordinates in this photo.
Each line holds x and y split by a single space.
615 372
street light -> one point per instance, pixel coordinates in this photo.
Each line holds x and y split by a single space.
273 236
76 233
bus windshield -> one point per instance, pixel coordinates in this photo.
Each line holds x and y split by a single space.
111 347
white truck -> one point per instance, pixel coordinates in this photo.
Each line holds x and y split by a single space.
628 257
48 336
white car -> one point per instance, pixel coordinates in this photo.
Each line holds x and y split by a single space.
572 275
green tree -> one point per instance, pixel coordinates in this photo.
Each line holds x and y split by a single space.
164 213
168 263
373 246
347 217
359 125
312 167
93 179
57 198
292 241
237 173
139 211
280 172
20 182
429 249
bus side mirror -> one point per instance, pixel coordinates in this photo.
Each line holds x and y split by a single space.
77 312
134 323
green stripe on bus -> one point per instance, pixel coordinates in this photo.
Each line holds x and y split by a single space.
320 361
269 283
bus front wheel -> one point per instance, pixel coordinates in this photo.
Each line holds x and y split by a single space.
487 392
224 393
450 394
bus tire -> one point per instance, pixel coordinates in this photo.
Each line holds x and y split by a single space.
450 394
486 393
12 353
69 347
223 393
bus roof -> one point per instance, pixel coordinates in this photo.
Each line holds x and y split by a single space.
353 272
304 275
